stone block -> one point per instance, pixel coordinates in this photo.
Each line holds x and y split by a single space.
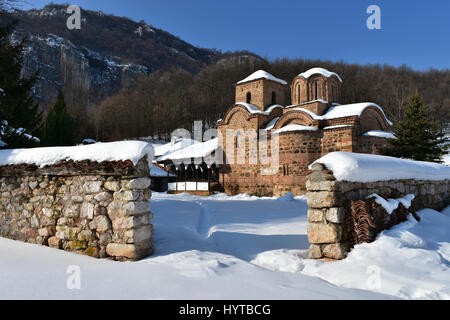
112 185
323 199
130 222
140 184
329 185
314 252
315 215
92 186
141 234
55 242
121 208
102 223
87 210
130 251
319 233
103 196
335 251
335 215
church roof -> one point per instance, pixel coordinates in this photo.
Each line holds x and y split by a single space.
345 110
321 71
252 109
261 74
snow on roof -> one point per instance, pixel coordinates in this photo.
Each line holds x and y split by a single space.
198 150
344 110
271 123
355 109
321 71
255 110
262 74
157 171
358 167
295 127
380 133
111 151
178 144
338 126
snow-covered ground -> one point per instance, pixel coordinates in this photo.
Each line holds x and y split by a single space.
240 247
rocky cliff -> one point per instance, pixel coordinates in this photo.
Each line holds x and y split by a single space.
106 54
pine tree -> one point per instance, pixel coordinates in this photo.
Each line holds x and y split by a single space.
418 137
19 116
59 125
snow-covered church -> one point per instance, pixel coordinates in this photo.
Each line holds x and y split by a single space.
310 126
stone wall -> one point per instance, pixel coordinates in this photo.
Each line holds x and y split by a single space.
326 198
97 209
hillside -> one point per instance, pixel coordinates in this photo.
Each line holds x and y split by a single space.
106 54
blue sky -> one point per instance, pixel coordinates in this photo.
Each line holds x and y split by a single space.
413 32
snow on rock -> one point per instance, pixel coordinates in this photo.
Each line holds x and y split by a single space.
111 151
295 127
380 133
358 167
197 150
392 204
261 74
321 71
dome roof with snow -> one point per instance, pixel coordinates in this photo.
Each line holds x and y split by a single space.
261 74
321 71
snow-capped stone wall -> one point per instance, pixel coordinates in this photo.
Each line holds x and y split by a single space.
327 196
100 209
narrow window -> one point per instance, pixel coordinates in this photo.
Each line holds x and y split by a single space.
274 98
316 88
249 97
332 93
299 94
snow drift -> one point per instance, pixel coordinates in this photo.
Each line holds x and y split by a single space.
111 151
358 167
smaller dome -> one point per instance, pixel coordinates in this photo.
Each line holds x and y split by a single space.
322 71
261 74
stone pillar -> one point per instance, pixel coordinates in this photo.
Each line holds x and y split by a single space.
325 215
130 217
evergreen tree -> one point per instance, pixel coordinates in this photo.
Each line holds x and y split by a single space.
59 125
19 115
418 137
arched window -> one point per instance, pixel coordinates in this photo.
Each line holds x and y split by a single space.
299 94
316 89
274 98
249 97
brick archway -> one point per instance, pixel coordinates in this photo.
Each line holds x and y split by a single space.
294 117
